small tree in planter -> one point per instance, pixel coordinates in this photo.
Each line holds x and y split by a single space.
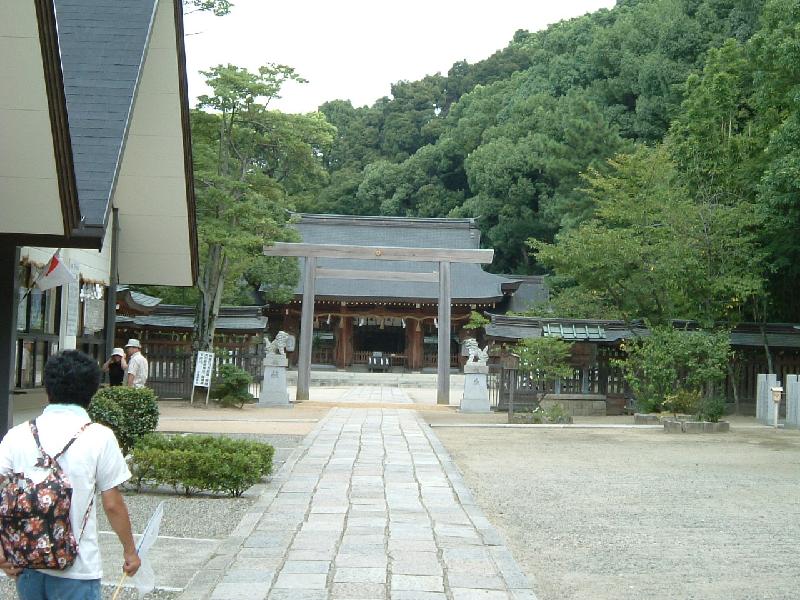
546 358
476 321
232 387
676 370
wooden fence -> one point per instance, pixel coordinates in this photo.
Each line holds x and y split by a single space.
527 387
171 365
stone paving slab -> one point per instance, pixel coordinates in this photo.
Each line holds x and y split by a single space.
369 506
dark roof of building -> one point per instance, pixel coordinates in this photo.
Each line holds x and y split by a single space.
136 301
779 335
172 316
469 281
102 46
532 290
506 327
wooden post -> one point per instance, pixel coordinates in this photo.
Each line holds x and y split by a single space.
344 342
413 345
443 358
306 329
9 260
111 293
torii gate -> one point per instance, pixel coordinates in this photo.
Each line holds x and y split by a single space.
443 256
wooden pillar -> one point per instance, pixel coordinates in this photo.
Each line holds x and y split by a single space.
413 344
9 261
111 294
344 342
306 329
443 358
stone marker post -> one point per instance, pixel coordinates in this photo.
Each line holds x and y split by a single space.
274 391
792 401
775 406
764 397
476 371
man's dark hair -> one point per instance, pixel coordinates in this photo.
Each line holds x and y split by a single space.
71 377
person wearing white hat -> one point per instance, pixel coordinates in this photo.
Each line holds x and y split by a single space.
137 365
116 366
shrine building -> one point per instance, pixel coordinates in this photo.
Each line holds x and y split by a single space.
357 321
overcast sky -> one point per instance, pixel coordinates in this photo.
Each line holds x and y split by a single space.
355 49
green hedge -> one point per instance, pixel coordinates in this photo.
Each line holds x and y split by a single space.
192 463
130 412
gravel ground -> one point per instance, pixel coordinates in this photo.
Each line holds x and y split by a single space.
632 515
201 516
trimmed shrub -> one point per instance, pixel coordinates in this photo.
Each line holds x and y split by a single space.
192 463
130 413
232 387
710 409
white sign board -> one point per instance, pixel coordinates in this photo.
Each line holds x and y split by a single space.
203 368
73 300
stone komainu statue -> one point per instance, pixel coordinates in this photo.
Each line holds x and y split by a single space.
476 355
278 345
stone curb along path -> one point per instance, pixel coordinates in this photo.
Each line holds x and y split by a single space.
369 506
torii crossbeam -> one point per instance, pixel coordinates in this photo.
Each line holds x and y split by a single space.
443 256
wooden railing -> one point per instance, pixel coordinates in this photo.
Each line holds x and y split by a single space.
322 356
431 360
526 387
171 367
361 357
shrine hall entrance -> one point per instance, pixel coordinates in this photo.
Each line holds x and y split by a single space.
388 338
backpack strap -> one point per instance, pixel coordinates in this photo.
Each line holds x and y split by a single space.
71 441
52 461
47 461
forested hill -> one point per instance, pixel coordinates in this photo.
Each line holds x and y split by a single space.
506 139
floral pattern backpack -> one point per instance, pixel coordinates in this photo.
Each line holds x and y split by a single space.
36 532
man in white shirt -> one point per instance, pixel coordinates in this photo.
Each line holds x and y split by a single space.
93 464
137 365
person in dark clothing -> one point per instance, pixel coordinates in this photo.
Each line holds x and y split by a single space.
116 367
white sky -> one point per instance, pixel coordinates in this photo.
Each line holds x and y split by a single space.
355 49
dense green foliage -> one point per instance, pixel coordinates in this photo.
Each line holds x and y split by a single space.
476 321
131 413
689 106
250 166
548 357
193 463
232 386
653 251
679 367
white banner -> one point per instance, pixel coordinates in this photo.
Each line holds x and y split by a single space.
203 369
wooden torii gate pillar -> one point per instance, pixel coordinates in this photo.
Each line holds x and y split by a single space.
443 256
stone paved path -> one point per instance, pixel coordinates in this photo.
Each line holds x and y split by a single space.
369 507
376 394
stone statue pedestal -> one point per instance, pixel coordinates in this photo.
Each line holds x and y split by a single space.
274 391
476 392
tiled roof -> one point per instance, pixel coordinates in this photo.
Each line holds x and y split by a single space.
517 328
170 316
102 45
469 281
138 298
532 290
506 327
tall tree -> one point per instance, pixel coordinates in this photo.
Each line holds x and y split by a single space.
249 161
654 251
